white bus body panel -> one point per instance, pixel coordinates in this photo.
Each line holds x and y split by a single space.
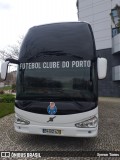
65 123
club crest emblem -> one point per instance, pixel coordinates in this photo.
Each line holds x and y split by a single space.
52 109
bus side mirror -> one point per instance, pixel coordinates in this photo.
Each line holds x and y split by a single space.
101 67
4 68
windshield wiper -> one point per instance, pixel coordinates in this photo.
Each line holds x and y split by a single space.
75 101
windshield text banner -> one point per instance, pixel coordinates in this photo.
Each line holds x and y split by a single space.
56 64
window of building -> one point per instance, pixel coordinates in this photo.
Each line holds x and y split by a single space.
115 16
115 31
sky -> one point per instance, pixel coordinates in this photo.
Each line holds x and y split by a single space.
17 16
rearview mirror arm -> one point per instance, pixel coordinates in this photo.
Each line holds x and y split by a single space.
14 61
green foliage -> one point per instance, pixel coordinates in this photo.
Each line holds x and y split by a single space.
13 87
6 108
6 88
7 98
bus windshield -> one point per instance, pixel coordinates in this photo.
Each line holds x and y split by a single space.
67 81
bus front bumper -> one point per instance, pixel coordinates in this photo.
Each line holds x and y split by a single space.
56 130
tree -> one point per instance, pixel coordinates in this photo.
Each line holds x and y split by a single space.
11 51
10 79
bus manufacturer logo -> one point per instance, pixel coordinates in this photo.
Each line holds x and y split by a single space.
51 119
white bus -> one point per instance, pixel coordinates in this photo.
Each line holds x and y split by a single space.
57 81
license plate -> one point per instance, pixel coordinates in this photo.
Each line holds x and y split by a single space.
52 131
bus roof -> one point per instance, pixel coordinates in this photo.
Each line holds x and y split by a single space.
74 38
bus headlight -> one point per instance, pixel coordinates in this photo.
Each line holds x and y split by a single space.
90 123
20 120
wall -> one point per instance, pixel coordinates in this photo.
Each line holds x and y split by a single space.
97 13
107 87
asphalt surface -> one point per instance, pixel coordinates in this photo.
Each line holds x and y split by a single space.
108 138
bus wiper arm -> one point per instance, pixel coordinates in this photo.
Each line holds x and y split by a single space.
78 103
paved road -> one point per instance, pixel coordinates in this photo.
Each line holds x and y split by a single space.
108 138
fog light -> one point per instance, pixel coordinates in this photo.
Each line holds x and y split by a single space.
90 123
20 120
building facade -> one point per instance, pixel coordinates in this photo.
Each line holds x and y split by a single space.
104 17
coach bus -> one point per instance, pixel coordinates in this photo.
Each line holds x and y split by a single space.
57 81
